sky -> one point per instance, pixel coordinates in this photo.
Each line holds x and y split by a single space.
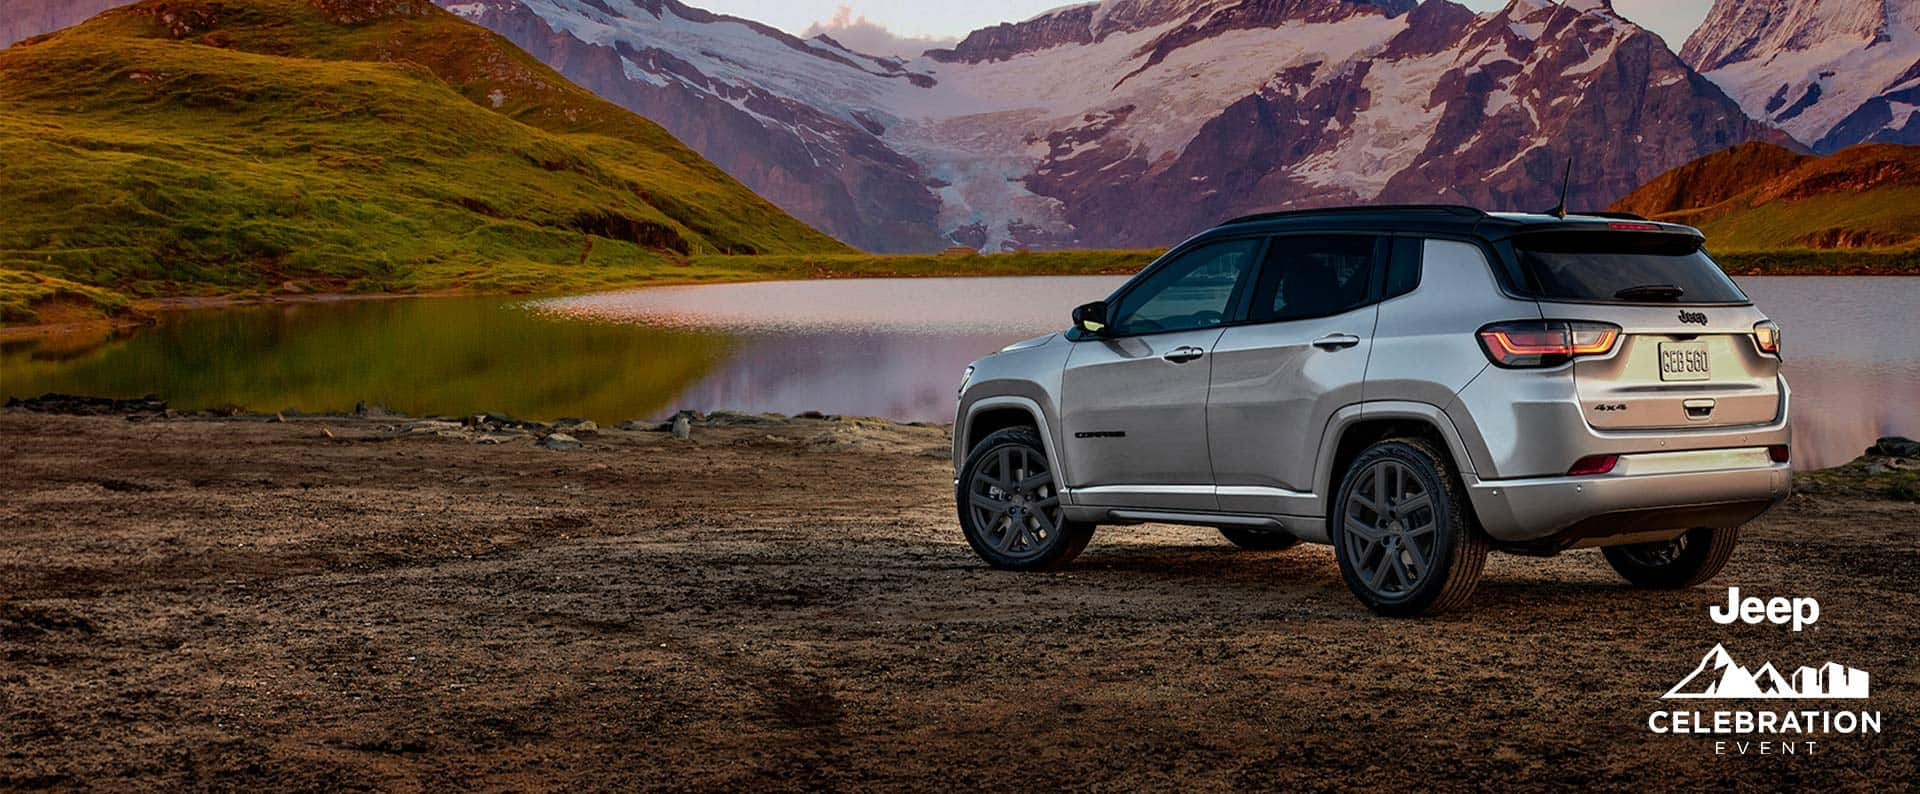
909 26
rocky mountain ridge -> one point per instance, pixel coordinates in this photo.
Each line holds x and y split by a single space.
1832 73
1134 123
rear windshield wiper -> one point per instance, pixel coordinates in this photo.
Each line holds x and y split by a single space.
1650 292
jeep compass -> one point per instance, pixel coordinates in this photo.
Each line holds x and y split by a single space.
1414 385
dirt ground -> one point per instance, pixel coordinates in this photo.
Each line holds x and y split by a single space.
249 603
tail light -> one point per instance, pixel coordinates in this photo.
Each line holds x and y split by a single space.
1766 336
1594 464
1548 343
1779 453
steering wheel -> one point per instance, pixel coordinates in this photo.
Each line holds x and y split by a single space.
1208 317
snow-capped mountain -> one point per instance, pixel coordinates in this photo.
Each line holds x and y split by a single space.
1437 104
1832 73
790 118
1136 122
1718 676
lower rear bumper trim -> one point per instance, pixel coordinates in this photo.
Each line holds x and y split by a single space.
1574 509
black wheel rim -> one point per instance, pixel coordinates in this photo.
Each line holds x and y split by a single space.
1390 529
1656 555
1013 503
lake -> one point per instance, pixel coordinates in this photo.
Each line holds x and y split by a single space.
879 347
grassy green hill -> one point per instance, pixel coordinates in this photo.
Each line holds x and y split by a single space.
1769 209
219 146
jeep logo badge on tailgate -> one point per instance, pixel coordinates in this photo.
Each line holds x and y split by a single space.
1697 318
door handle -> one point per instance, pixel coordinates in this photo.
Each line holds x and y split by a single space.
1184 354
1336 341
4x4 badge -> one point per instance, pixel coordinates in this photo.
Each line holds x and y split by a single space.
1697 318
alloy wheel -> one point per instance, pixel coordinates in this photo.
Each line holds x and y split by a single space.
1012 499
1391 529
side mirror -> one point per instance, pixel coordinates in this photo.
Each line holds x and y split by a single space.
1091 317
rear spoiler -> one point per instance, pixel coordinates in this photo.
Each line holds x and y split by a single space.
1598 223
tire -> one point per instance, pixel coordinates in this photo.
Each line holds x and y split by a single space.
1691 559
1016 522
1420 553
1259 541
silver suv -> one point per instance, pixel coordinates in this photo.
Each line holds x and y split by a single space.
1414 385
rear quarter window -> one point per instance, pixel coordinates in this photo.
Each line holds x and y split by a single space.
1620 267
1403 266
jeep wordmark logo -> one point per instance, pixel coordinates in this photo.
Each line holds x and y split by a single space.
1696 318
1766 732
1801 612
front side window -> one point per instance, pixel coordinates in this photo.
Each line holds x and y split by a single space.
1195 290
1315 276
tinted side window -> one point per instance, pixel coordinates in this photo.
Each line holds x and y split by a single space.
1403 267
1315 276
1193 291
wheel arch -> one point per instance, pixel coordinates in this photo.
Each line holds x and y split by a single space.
989 415
1354 428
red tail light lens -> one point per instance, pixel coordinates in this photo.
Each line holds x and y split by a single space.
1594 464
1779 453
1548 343
1766 336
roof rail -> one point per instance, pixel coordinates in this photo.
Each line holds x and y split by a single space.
1450 209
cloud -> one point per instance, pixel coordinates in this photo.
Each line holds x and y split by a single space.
860 34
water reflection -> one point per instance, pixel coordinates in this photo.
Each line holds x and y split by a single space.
997 307
862 374
866 347
881 347
1852 358
437 356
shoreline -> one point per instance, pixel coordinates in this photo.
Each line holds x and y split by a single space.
1889 469
119 311
146 311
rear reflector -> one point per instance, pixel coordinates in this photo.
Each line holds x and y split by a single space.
1594 464
1766 337
1779 453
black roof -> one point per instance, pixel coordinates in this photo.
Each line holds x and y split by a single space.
1452 219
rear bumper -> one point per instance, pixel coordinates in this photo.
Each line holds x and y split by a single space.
1518 423
1645 497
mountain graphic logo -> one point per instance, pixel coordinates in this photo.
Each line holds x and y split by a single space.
1719 677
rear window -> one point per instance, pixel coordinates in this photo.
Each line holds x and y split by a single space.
1620 267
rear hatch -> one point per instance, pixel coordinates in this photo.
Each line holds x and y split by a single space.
1686 356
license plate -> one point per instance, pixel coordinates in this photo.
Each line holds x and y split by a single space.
1684 361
